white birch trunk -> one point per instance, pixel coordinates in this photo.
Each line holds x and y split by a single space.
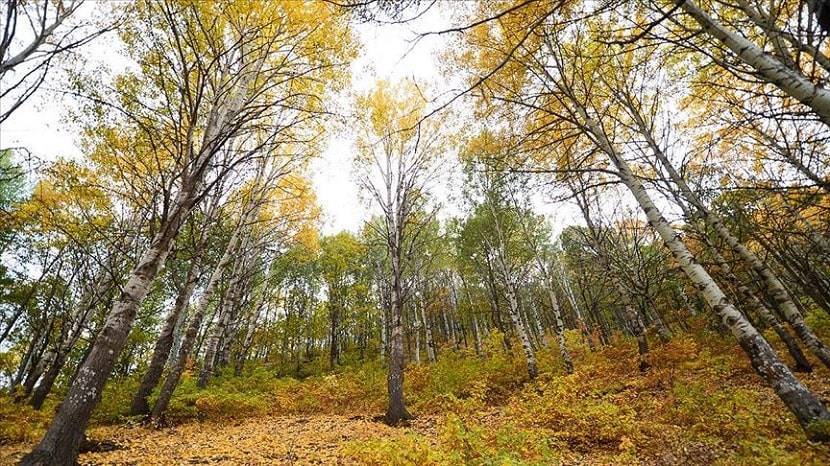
805 405
768 67
773 284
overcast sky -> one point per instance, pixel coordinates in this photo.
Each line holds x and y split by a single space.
387 52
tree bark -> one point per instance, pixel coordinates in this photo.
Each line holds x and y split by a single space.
560 331
396 411
161 351
805 405
430 342
767 67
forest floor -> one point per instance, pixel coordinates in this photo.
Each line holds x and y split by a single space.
290 440
699 403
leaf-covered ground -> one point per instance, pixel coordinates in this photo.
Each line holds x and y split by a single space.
297 440
699 403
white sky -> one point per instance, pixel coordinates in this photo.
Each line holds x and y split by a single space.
39 124
387 53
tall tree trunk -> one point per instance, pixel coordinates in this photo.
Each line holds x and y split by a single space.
39 363
512 300
82 311
766 66
476 329
334 344
560 331
663 331
21 307
29 357
416 355
774 286
396 411
476 334
580 320
213 341
161 351
521 332
430 342
805 405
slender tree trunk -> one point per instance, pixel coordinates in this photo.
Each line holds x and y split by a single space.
580 320
396 410
29 358
805 405
476 335
512 301
21 307
161 351
416 355
458 333
428 332
334 344
521 332
766 66
476 329
663 331
213 341
82 311
634 322
494 303
41 391
39 363
560 331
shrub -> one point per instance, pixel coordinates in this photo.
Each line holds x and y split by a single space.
19 422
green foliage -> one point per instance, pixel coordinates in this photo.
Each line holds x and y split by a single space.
20 423
115 401
11 180
818 320
459 442
699 402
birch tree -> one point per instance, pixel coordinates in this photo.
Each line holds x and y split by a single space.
398 160
226 81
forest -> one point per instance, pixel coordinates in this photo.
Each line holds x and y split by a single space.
415 232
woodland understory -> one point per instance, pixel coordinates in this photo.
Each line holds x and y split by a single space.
698 403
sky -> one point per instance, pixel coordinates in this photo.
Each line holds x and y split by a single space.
387 52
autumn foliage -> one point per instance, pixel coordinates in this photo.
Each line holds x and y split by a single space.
698 404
